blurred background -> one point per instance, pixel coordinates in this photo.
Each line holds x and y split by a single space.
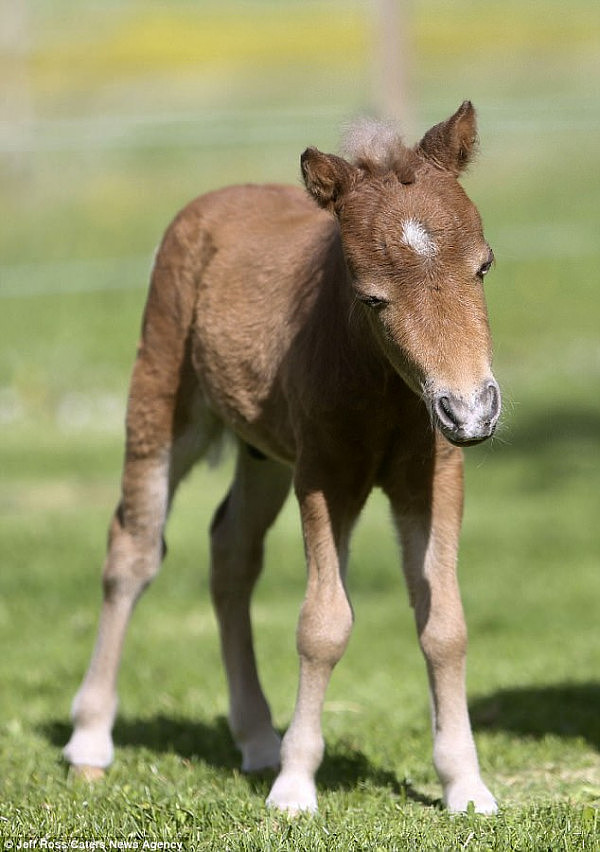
114 114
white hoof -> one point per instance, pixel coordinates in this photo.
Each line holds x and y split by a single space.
89 747
261 752
458 795
293 794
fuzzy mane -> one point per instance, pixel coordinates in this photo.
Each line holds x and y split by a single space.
377 147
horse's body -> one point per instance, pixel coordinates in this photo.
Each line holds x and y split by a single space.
345 351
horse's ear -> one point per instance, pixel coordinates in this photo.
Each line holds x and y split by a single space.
451 144
326 177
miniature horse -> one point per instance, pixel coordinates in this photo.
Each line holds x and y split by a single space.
342 336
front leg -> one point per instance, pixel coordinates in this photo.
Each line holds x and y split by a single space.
323 632
429 527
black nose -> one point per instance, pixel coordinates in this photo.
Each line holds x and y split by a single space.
468 419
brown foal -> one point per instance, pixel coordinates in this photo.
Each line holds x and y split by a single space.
341 334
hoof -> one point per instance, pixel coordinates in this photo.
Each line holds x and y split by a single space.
457 799
89 747
87 773
293 795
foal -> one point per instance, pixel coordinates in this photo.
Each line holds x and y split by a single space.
342 335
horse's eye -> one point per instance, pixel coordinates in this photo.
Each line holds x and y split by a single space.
373 302
484 269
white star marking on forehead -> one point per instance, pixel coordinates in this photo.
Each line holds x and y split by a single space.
416 237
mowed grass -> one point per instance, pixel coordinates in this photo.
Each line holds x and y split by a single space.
76 249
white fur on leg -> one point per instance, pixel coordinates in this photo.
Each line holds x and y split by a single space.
90 747
302 750
260 752
455 760
293 792
458 794
91 741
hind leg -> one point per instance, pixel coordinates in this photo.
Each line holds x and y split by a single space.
134 554
155 461
257 494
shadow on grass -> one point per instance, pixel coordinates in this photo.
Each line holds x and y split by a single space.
342 768
564 710
555 445
535 432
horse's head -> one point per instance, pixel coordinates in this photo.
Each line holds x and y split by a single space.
417 257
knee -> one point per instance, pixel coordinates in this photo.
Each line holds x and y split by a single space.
324 629
132 561
444 641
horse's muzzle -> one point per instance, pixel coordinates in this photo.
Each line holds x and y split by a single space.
468 420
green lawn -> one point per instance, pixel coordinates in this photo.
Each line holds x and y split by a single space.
87 203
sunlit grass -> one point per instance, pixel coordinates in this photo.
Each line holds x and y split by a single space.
208 99
532 667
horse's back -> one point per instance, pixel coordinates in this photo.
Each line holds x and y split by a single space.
251 217
247 263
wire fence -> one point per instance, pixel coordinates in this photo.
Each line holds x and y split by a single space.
235 128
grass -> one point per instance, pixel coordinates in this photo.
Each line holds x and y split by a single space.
86 209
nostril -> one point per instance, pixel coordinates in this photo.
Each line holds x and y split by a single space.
446 413
493 393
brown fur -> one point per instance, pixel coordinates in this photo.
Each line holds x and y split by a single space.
339 348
